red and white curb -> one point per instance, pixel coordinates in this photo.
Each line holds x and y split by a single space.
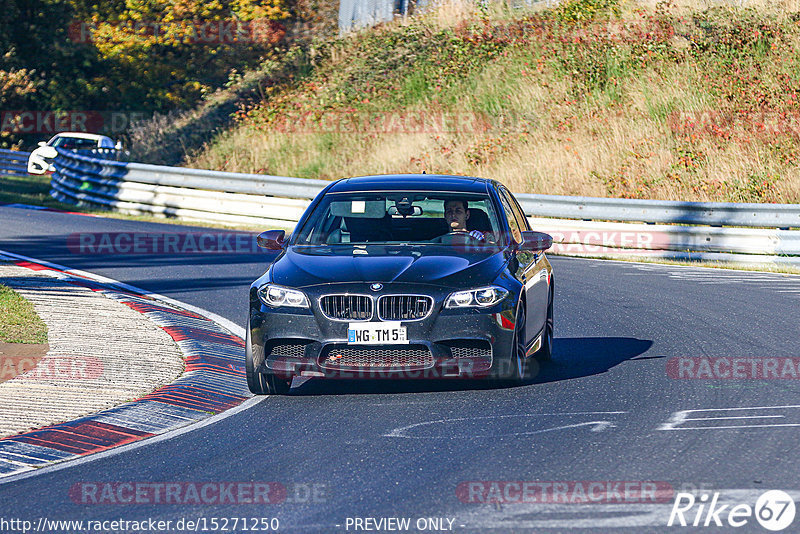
213 381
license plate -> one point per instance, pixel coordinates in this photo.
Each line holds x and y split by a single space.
385 333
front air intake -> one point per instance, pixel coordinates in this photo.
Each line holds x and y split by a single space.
404 307
346 307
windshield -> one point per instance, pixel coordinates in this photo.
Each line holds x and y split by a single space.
73 143
402 218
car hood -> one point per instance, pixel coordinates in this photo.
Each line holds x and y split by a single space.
447 266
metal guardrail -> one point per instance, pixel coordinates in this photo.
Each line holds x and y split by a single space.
579 224
615 239
191 194
251 184
14 162
112 154
662 211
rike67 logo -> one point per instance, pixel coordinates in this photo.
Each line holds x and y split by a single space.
774 510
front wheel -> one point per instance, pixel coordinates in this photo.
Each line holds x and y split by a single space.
545 353
261 383
514 370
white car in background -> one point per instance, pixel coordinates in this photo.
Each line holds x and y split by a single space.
40 159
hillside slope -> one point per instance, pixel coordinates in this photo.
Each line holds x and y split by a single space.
589 98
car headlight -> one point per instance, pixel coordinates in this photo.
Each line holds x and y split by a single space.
476 298
275 296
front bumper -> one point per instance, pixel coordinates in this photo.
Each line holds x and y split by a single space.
465 343
38 164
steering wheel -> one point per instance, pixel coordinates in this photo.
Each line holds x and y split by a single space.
460 238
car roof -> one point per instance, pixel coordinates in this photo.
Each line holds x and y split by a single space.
81 135
411 182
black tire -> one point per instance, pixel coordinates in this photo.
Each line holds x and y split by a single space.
519 365
261 383
545 353
514 370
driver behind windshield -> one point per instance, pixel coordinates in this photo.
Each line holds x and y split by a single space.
456 213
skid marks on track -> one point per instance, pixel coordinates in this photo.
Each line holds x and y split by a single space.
776 282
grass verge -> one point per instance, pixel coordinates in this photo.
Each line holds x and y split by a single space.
32 189
19 322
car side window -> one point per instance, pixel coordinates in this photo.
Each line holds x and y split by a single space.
513 223
522 220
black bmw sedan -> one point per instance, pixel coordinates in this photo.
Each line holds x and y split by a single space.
402 276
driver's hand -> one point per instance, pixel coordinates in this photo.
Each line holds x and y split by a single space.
477 234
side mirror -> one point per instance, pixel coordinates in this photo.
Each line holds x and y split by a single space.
271 239
535 241
42 143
